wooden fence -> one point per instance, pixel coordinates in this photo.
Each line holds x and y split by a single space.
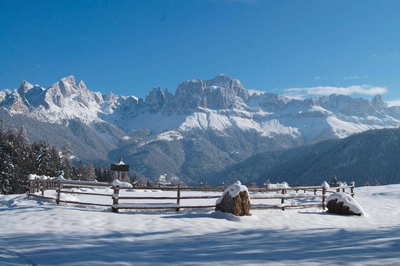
291 193
179 197
37 185
174 201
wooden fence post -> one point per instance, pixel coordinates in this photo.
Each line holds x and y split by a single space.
283 199
30 187
115 199
178 197
59 192
43 186
323 198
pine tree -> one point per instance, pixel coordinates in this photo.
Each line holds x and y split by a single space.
24 162
99 174
125 177
56 162
6 167
67 165
2 131
23 139
12 134
14 150
334 182
90 172
80 171
43 159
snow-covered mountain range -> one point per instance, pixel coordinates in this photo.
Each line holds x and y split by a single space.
208 124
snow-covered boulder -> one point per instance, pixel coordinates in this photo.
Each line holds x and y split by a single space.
343 203
235 200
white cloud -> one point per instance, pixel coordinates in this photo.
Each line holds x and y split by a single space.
395 102
253 91
356 77
301 93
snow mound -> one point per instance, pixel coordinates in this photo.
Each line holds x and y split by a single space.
278 185
325 184
119 184
61 178
39 177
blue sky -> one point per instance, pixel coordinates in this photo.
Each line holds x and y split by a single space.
296 48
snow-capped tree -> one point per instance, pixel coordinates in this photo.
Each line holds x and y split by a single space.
90 172
6 168
15 160
81 172
43 158
66 155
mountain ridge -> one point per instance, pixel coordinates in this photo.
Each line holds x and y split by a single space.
217 118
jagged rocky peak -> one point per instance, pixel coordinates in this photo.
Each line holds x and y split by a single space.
379 103
68 86
81 85
231 84
168 96
70 80
194 86
269 101
221 92
110 97
155 100
25 87
15 103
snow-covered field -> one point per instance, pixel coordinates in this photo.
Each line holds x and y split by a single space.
39 232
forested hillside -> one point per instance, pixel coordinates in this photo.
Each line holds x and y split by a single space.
371 157
20 158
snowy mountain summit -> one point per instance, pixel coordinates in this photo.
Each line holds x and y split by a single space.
217 118
219 104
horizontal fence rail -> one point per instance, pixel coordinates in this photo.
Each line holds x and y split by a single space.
177 198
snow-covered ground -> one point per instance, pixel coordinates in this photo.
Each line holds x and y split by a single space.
39 232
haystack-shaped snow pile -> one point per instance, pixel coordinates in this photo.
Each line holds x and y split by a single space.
342 203
235 200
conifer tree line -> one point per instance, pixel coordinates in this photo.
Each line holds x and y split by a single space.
19 158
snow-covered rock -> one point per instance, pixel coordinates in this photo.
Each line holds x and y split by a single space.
235 200
343 203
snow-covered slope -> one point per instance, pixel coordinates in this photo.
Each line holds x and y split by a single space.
39 232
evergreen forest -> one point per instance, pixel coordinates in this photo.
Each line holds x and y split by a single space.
19 158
